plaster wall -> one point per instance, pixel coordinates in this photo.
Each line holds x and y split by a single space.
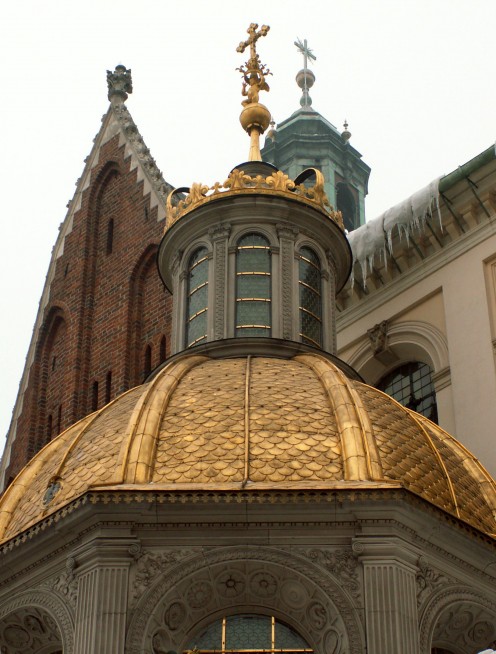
456 301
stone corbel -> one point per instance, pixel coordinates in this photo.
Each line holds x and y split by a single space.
378 337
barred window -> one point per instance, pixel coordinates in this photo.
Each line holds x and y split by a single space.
247 633
411 385
253 286
197 298
310 292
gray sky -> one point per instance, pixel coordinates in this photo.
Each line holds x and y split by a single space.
414 78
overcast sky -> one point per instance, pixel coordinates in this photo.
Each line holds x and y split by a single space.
414 78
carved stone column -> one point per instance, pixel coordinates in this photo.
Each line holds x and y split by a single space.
219 236
389 573
287 235
102 569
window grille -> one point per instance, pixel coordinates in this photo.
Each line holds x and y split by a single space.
253 286
310 294
411 385
197 298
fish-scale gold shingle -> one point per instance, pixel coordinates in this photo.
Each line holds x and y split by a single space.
303 423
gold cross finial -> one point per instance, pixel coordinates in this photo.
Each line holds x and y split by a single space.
252 39
255 117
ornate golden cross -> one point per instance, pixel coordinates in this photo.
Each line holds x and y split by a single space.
253 38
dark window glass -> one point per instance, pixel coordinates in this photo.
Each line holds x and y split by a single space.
310 291
59 419
411 385
94 397
345 202
108 387
249 633
197 298
253 286
162 349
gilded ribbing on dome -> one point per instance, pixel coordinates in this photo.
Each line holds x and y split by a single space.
354 428
299 423
138 460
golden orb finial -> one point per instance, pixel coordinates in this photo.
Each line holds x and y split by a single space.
255 117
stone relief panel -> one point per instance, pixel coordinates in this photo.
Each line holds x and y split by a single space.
149 565
65 584
458 619
240 580
35 621
429 580
28 631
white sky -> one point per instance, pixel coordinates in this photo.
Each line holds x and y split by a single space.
414 78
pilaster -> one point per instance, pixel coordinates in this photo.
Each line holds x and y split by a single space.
103 570
287 235
219 236
389 573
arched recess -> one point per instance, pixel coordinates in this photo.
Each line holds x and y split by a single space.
149 316
52 378
413 340
37 621
233 581
460 620
105 201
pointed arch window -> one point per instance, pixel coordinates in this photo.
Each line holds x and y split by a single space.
253 286
310 297
197 298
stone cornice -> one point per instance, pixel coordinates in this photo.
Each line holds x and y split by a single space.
128 496
416 274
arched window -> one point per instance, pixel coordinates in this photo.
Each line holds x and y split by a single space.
411 385
249 633
253 286
310 292
345 202
197 299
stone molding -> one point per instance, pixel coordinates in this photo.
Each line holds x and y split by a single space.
441 379
53 605
213 582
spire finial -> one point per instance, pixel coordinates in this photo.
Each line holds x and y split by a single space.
305 78
255 117
119 84
346 135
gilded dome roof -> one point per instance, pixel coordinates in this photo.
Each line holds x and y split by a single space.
248 423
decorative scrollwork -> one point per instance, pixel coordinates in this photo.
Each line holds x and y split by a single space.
278 183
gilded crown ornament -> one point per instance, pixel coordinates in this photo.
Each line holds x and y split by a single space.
239 183
255 117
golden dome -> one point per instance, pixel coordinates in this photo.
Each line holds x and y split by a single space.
251 423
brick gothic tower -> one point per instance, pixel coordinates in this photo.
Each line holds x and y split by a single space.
104 316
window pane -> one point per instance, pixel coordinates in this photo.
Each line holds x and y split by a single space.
310 297
253 312
248 632
197 298
411 385
253 316
254 286
211 638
